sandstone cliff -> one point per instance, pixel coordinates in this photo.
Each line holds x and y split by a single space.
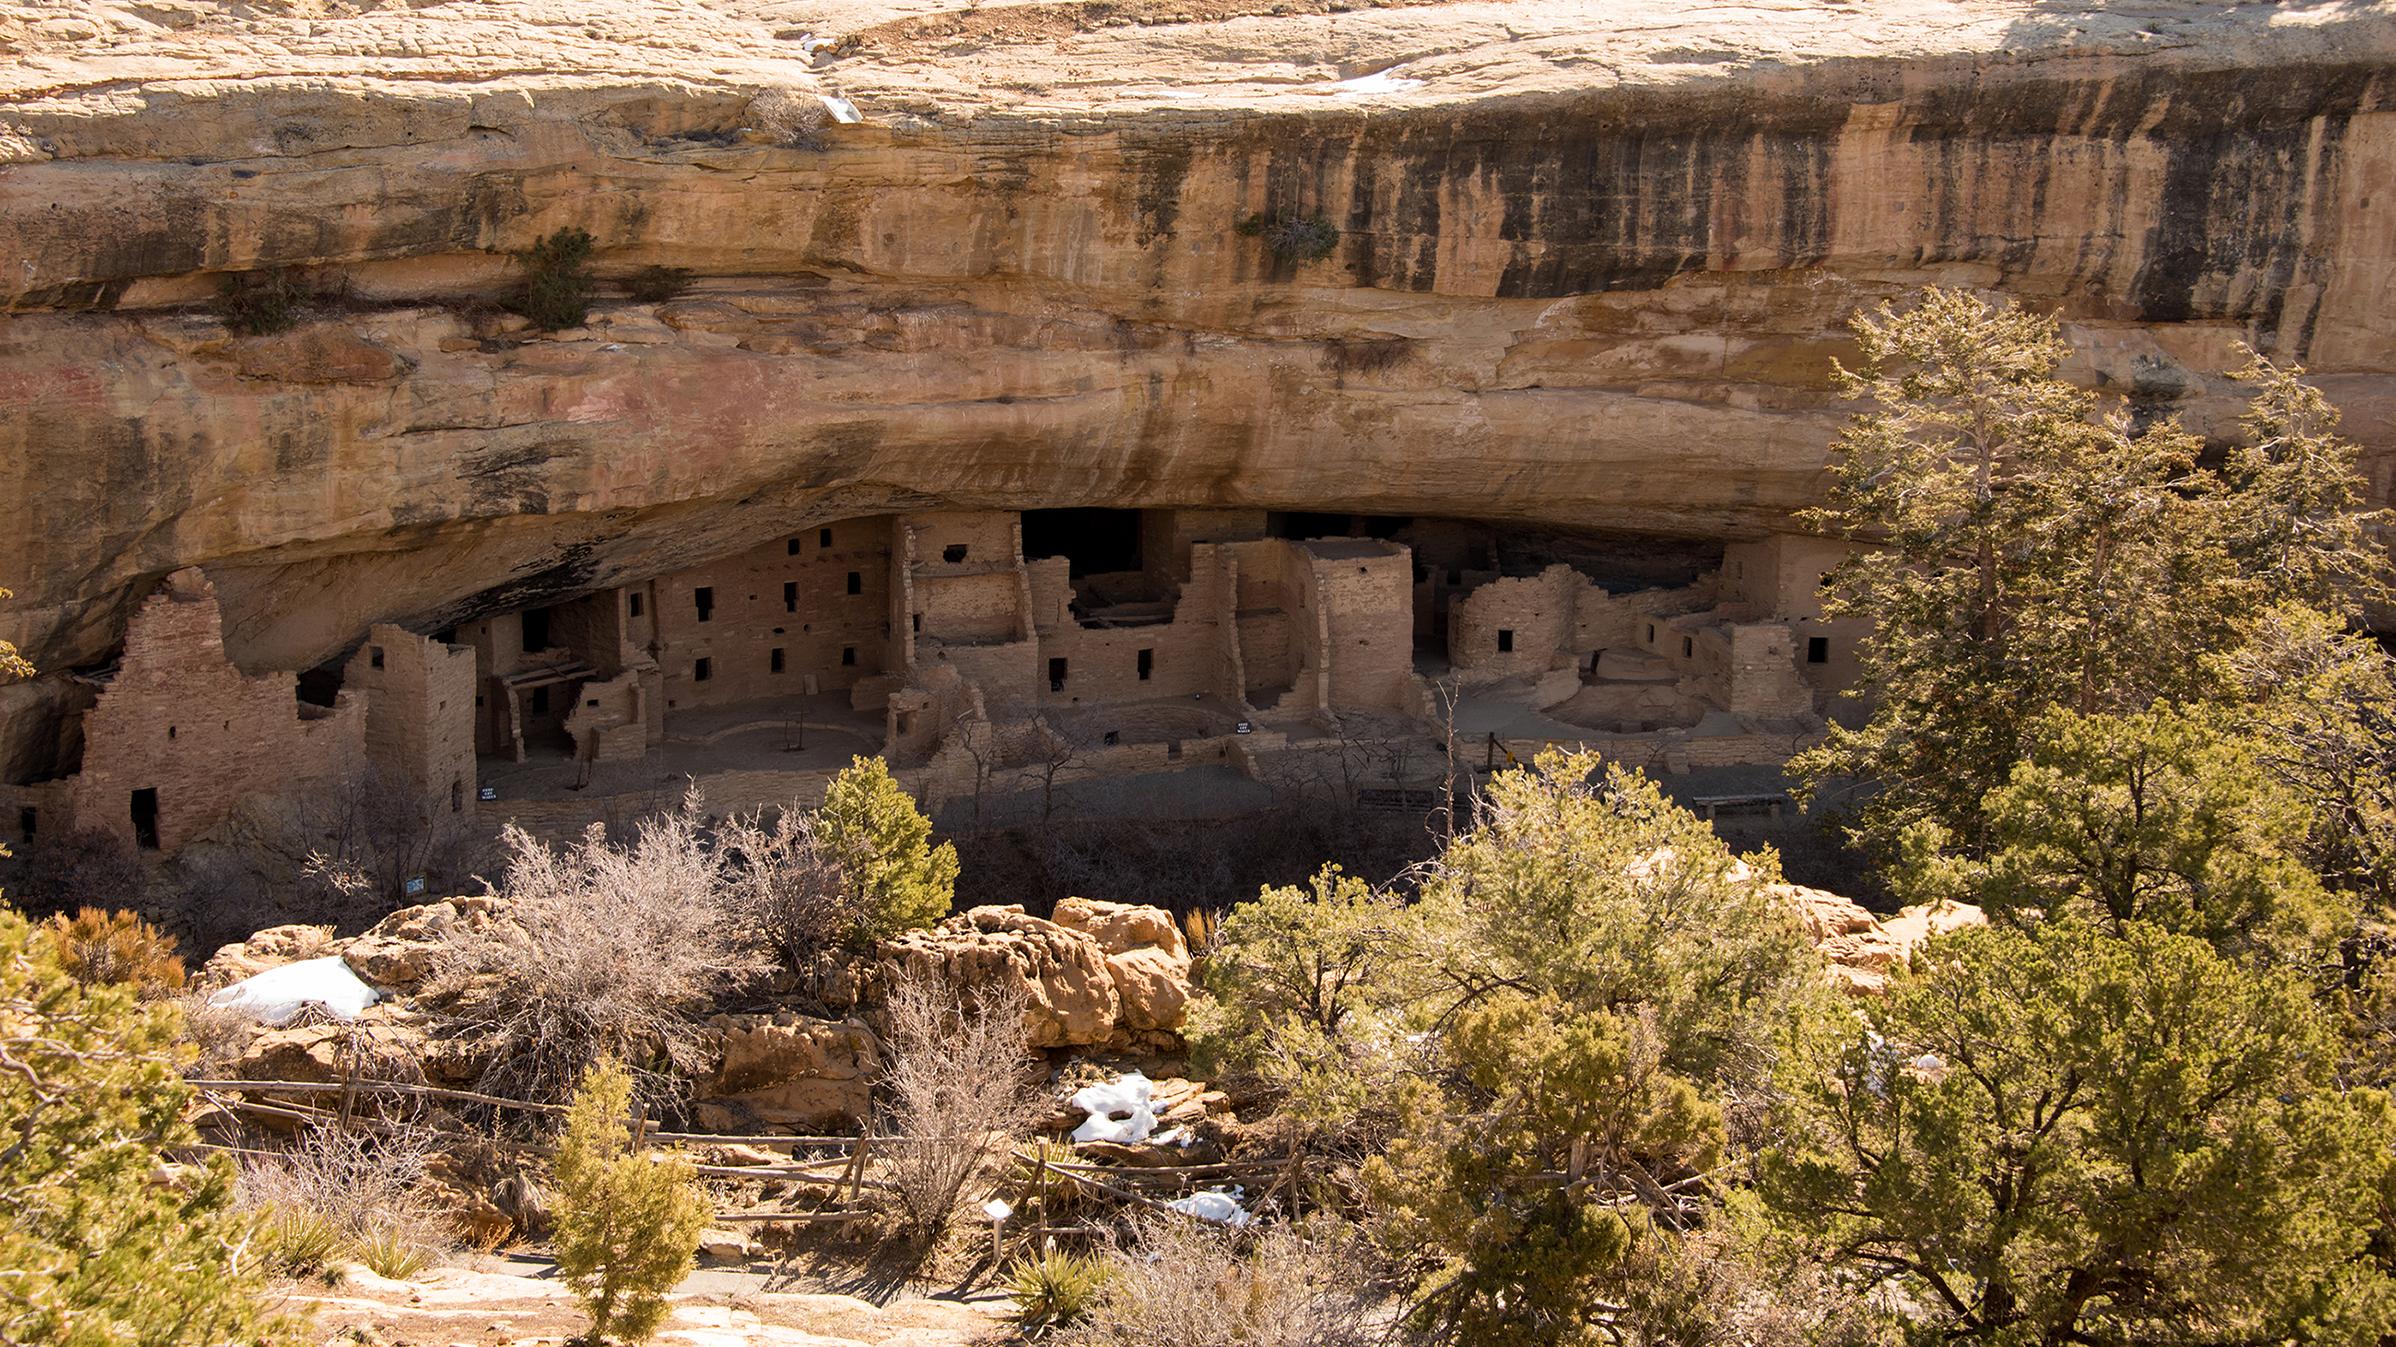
1592 265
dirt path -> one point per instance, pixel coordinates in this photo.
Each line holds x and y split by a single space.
518 1302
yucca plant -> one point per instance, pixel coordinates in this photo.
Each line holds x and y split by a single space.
1055 1289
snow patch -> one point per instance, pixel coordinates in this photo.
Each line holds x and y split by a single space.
278 995
843 111
1379 82
1221 1207
1128 1095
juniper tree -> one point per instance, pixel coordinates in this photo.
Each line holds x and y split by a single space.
2024 553
894 878
103 1246
2069 1136
628 1222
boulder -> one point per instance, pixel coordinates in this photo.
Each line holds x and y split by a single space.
787 1070
1862 950
1121 927
384 1043
402 949
270 948
1146 958
1063 973
1152 986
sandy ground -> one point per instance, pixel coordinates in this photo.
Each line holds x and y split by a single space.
518 1302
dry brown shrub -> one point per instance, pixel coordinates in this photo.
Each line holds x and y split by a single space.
783 885
1191 1285
606 950
959 1089
350 1194
796 120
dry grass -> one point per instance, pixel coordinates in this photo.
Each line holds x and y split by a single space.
959 1089
1197 1286
608 950
346 1195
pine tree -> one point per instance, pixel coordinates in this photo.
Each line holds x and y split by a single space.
628 1222
896 880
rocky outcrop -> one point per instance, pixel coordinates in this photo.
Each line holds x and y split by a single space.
1068 988
1145 955
787 1072
1862 950
1587 273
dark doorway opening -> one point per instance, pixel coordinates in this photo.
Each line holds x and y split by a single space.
145 818
1092 541
536 629
1056 675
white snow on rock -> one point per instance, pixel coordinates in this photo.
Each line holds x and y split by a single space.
1216 1208
1380 82
278 995
1120 1110
843 111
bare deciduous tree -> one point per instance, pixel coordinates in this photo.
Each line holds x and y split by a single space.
958 1085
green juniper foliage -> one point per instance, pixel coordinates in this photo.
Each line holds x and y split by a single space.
97 1249
2071 1136
2025 553
557 287
896 879
627 1222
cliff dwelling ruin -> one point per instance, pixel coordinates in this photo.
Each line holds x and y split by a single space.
968 415
982 653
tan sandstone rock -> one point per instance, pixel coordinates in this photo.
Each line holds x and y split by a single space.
789 1071
1145 955
1063 973
402 949
270 948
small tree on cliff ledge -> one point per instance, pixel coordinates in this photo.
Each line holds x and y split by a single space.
896 879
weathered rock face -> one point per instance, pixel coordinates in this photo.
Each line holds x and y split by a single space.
1588 274
1861 950
1069 991
788 1071
1145 955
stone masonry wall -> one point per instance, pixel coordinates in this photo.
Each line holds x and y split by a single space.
419 696
822 606
1366 594
181 721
